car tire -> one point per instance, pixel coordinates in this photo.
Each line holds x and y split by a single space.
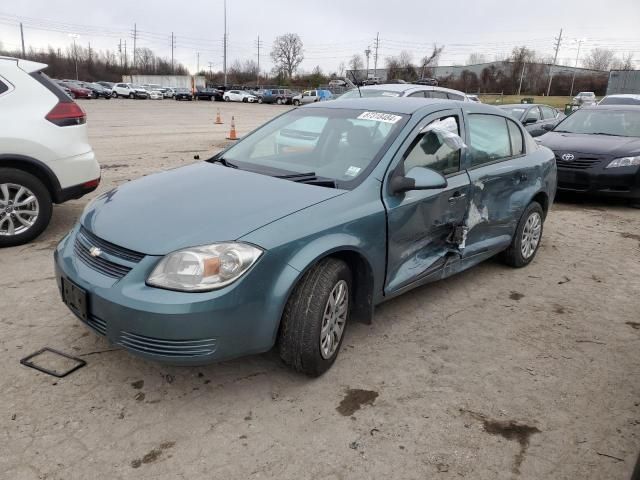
114 95
260 100
212 98
245 100
227 99
309 311
132 96
13 179
279 101
527 237
296 102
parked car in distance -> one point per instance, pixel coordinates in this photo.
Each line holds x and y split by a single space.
97 90
182 94
45 155
128 90
585 99
169 92
156 95
76 90
404 90
368 81
107 85
621 99
597 150
238 96
537 119
308 96
210 94
394 193
432 82
275 95
473 98
336 82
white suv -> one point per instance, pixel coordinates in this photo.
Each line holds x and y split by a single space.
45 156
239 96
128 90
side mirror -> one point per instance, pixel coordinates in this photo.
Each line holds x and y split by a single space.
418 178
529 121
548 126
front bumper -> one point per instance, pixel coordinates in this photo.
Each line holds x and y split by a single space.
591 177
177 327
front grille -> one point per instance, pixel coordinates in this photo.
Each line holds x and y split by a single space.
123 259
581 163
98 324
168 348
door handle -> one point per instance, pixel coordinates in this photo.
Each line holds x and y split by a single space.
520 177
457 196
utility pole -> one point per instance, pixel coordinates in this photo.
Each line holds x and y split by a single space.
375 55
225 44
367 52
173 45
197 62
573 79
258 44
120 51
135 37
211 69
555 58
75 51
24 54
524 64
125 56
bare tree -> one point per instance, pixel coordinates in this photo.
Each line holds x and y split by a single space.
430 61
476 58
287 53
356 63
599 59
625 63
341 68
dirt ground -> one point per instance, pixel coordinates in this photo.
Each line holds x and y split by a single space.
493 374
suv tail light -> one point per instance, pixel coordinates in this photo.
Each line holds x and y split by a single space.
65 114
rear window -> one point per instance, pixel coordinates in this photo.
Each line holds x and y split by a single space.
44 80
616 101
455 96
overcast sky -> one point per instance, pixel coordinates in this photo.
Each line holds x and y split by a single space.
332 31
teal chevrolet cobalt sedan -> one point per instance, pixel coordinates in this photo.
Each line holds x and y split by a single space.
304 226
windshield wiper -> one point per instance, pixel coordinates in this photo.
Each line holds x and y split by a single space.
309 177
222 161
607 134
295 176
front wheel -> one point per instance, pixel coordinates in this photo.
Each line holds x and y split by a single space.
245 100
315 318
260 100
114 95
25 207
296 102
526 239
132 96
279 101
227 99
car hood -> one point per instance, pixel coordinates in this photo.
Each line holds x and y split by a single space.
195 205
590 144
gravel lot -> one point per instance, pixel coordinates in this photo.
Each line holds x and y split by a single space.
493 374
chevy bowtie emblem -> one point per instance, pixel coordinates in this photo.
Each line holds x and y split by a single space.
568 157
95 252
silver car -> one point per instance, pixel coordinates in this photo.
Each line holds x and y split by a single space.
584 99
405 90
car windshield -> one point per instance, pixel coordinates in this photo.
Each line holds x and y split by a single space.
515 112
182 90
370 92
327 143
620 101
623 123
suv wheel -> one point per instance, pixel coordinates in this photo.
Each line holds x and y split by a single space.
526 239
25 207
260 100
114 95
279 101
315 318
227 99
296 102
132 96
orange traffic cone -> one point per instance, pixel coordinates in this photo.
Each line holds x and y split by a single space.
218 119
232 133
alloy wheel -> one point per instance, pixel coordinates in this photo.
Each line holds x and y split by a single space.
531 235
19 209
334 319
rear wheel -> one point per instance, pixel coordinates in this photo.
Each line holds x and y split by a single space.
315 318
296 102
227 99
279 101
114 95
245 100
132 96
526 239
25 207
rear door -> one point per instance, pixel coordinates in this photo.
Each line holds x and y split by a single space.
420 222
500 179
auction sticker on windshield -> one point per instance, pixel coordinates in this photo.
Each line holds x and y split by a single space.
379 117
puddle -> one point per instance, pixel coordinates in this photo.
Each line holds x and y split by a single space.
354 400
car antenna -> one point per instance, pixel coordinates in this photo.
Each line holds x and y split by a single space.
356 83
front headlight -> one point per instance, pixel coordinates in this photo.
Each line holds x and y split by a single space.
624 162
200 269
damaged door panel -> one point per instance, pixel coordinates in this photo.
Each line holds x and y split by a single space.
424 226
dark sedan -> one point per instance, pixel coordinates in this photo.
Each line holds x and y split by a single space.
209 94
597 151
183 94
97 90
537 119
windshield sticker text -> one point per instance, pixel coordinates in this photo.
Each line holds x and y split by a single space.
379 117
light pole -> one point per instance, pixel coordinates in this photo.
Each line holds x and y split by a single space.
75 51
573 79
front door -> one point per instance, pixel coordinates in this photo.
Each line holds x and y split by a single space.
420 222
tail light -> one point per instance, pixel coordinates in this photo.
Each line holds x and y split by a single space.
65 114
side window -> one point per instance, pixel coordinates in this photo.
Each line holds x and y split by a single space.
3 88
489 138
455 96
548 113
517 144
436 94
419 94
313 93
429 150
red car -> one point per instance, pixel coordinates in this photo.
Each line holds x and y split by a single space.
76 91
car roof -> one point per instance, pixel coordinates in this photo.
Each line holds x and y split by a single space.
524 105
632 108
406 87
403 105
624 95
